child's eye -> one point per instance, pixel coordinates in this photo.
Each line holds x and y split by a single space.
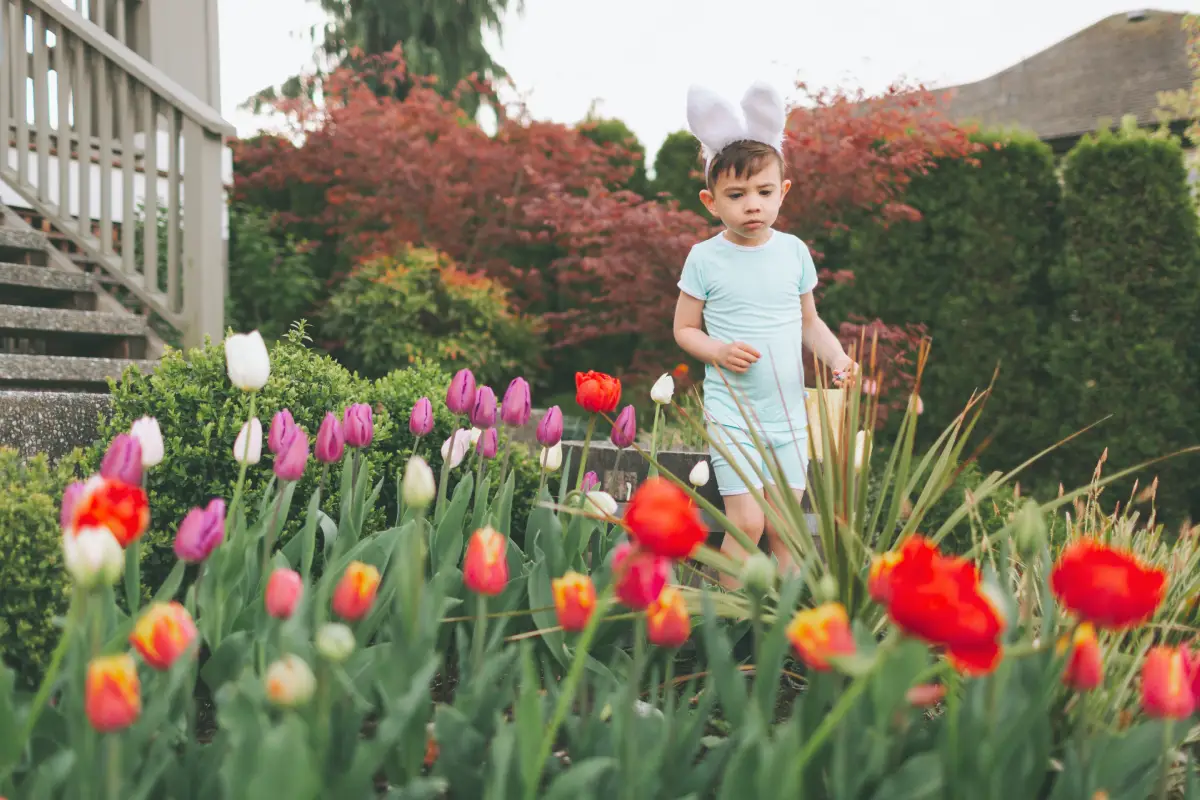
766 192
735 195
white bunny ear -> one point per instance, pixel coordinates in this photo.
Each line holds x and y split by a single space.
713 120
765 115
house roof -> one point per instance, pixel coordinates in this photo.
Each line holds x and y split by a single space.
1113 68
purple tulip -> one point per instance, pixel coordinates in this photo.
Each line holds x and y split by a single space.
488 443
70 497
330 441
420 422
625 428
358 426
483 415
550 429
590 481
200 532
123 461
460 397
281 424
292 456
514 411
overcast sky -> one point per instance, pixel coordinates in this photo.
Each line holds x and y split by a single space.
637 57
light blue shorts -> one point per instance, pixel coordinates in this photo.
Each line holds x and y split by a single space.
789 449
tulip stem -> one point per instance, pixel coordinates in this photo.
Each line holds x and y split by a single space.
1164 785
241 482
587 445
43 693
634 682
504 467
269 542
439 509
480 633
653 473
133 576
114 766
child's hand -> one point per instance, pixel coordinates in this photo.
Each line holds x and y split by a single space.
736 356
845 373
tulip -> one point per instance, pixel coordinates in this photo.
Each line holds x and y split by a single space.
821 633
625 428
123 461
247 448
247 361
291 460
699 475
640 575
359 425
596 392
290 682
335 642
1084 669
485 566
417 487
454 449
483 413
112 693
70 499
861 446
515 409
355 592
551 458
460 396
200 532
121 508
475 434
661 518
420 422
163 633
574 600
330 442
758 574
1166 693
600 503
590 481
663 389
281 425
284 588
489 443
93 557
667 621
1110 587
149 436
550 429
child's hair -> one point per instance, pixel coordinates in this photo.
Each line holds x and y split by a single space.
742 158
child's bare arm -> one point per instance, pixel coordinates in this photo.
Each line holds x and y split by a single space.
689 316
820 340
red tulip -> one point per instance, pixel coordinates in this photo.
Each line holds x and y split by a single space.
1109 587
668 623
640 575
355 592
596 392
485 566
1166 689
574 600
284 588
821 633
661 518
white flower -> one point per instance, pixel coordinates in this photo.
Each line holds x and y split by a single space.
247 361
417 487
663 389
860 449
461 443
475 434
552 457
93 557
290 682
251 431
149 436
699 474
601 503
335 642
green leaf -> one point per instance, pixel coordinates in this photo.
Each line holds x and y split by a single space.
420 789
541 598
284 767
579 780
918 778
449 540
227 661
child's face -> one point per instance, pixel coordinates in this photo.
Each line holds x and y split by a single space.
748 206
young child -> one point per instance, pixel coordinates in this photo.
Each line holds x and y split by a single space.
751 288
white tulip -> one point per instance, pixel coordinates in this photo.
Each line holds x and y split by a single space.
290 682
247 361
417 487
250 436
552 457
461 440
475 434
699 474
149 436
93 557
335 642
601 503
860 449
663 389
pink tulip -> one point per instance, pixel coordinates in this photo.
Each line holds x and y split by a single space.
641 580
590 481
123 461
293 456
625 428
357 425
515 409
488 444
70 497
550 429
420 422
200 532
483 415
281 424
284 588
460 396
330 442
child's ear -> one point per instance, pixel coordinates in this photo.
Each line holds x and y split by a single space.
709 201
786 186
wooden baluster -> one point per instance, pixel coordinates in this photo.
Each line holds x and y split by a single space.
20 72
174 301
127 117
105 106
150 271
83 130
62 72
41 105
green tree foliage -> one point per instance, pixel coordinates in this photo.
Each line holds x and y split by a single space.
629 155
677 169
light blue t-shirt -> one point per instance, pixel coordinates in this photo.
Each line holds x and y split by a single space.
752 295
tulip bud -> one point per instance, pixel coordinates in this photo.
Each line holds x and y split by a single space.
699 475
821 633
550 429
640 575
515 409
355 592
663 389
552 457
667 621
163 633
590 481
454 449
1084 669
112 693
1030 535
475 434
330 442
827 588
574 600
600 503
417 487
420 422
290 682
70 498
1166 693
489 443
281 425
293 456
335 642
861 449
149 436
123 460
93 557
625 428
460 397
247 361
758 574
284 588
247 449
483 414
358 425
485 566
200 532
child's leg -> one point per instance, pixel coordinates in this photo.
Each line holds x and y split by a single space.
792 455
741 505
743 511
778 547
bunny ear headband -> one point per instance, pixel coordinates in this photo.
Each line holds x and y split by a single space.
717 124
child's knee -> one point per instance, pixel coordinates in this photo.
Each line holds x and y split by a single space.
745 512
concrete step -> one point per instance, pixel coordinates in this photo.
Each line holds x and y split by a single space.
50 422
23 246
62 332
23 285
69 373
